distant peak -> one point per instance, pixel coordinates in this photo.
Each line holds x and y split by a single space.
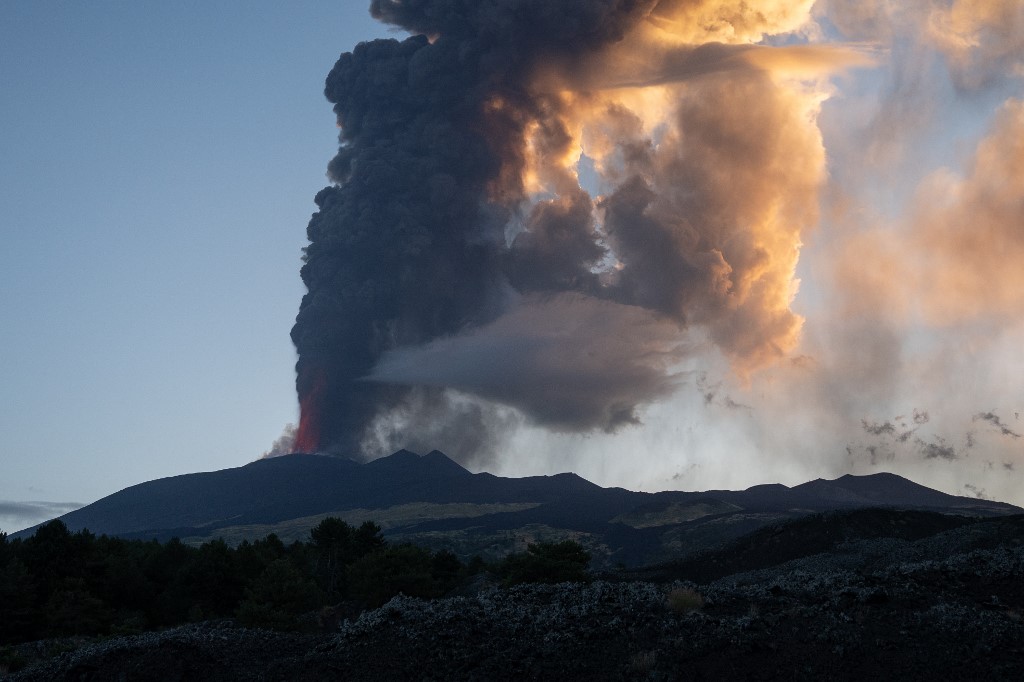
432 464
402 458
880 475
882 478
441 460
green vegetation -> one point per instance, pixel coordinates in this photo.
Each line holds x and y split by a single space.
63 584
402 515
10 661
685 600
554 562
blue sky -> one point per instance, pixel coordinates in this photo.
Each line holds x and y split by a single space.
158 169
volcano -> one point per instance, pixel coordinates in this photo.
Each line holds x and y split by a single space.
433 501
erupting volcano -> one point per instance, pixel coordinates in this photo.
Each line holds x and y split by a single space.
547 216
311 405
460 213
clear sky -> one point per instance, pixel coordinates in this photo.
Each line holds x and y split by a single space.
158 167
158 163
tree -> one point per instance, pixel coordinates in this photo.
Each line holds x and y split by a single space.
47 554
5 549
73 610
379 576
252 558
367 538
337 545
166 566
21 620
124 585
278 596
213 579
547 562
332 539
445 569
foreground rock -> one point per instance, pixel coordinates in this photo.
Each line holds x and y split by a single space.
958 617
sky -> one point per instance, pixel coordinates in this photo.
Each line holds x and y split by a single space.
159 167
158 170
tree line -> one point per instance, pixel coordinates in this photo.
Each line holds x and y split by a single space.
62 583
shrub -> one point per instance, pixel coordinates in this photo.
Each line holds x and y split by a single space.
547 562
445 569
643 662
10 660
685 600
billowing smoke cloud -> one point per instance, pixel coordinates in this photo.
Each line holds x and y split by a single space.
979 40
460 249
778 234
913 273
968 229
284 444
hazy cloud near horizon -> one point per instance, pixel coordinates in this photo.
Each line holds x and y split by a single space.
15 516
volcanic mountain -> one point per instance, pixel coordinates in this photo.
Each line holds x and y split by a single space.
433 501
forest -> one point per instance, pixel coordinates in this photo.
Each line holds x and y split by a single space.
59 583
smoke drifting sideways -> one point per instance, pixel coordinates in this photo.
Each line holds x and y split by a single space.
914 270
541 208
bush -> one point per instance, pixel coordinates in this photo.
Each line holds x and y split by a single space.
446 570
545 562
10 660
685 600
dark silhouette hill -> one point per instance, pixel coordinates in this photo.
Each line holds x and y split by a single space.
433 501
826 534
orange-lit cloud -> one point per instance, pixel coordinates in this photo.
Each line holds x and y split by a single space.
968 231
710 164
979 39
723 21
663 185
911 304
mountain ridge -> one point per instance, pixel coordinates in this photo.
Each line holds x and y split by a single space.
431 499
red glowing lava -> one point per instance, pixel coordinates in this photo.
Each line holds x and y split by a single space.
310 414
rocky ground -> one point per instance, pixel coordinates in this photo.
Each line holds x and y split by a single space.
945 607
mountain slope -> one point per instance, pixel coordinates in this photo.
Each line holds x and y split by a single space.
431 500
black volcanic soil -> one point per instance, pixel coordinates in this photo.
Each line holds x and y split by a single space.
933 599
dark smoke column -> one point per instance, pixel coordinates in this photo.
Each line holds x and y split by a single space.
408 245
397 254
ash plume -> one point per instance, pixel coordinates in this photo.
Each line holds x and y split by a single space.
458 251
546 216
937 449
283 444
994 420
